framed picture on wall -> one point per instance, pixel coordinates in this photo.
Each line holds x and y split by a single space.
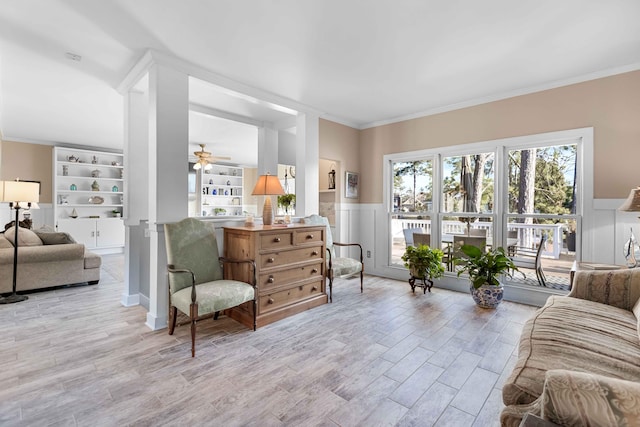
351 183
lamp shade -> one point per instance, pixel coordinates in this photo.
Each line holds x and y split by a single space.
632 204
20 191
268 185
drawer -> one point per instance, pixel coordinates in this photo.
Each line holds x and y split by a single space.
308 236
276 240
277 259
282 277
285 297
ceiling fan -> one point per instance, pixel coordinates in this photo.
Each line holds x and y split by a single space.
205 159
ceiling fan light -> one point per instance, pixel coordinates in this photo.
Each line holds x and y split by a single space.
208 167
197 166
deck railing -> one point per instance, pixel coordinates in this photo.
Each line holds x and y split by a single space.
528 235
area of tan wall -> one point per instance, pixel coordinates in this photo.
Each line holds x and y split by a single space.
341 143
610 105
29 162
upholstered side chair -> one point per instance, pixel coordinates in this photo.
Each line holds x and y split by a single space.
196 284
338 266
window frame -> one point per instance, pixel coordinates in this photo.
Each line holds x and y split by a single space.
583 137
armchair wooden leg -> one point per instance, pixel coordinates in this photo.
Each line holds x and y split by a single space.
216 315
361 280
173 313
255 314
330 287
193 309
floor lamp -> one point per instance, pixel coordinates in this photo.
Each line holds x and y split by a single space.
267 185
19 194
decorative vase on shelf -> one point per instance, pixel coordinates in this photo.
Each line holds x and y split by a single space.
114 188
74 213
95 186
73 187
95 173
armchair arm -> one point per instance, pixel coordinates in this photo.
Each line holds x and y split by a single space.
172 269
618 288
579 398
251 262
351 244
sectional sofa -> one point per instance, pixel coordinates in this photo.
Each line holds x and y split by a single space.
45 259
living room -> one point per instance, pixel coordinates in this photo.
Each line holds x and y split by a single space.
598 99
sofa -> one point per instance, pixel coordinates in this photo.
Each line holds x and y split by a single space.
45 259
579 356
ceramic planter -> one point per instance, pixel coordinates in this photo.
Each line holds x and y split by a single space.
487 296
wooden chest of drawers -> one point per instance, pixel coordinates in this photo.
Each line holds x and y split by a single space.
290 269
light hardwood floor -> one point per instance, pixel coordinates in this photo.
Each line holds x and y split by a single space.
76 357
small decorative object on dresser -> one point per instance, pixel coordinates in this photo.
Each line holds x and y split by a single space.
95 186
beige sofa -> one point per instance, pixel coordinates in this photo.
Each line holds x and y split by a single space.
579 355
46 264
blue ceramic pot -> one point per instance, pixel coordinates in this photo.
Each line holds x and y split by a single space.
487 296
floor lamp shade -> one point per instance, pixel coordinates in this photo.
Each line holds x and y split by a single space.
20 191
267 185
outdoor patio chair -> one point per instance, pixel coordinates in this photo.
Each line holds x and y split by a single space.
422 239
408 235
534 263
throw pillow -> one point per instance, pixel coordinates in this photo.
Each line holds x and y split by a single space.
25 237
5 244
54 238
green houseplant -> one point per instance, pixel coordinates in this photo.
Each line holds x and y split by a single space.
423 263
286 201
484 269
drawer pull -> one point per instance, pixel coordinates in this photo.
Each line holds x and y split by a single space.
271 259
315 270
314 253
277 240
315 288
270 301
271 279
309 236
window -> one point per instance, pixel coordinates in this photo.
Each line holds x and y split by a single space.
412 203
507 193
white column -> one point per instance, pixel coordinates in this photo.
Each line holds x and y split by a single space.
136 180
307 159
267 151
168 176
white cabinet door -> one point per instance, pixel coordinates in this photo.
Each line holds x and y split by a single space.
109 232
82 230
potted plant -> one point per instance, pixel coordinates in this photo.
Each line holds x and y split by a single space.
484 269
116 213
286 200
423 263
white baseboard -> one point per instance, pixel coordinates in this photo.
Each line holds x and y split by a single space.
130 300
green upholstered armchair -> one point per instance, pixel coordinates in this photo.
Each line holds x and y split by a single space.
337 266
196 284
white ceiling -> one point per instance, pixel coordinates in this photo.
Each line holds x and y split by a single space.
359 62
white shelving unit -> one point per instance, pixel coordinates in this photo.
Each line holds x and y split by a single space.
91 184
221 191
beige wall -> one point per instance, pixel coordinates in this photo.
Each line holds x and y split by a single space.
610 105
340 142
31 162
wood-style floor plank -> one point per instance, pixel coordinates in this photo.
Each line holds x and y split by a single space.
75 357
